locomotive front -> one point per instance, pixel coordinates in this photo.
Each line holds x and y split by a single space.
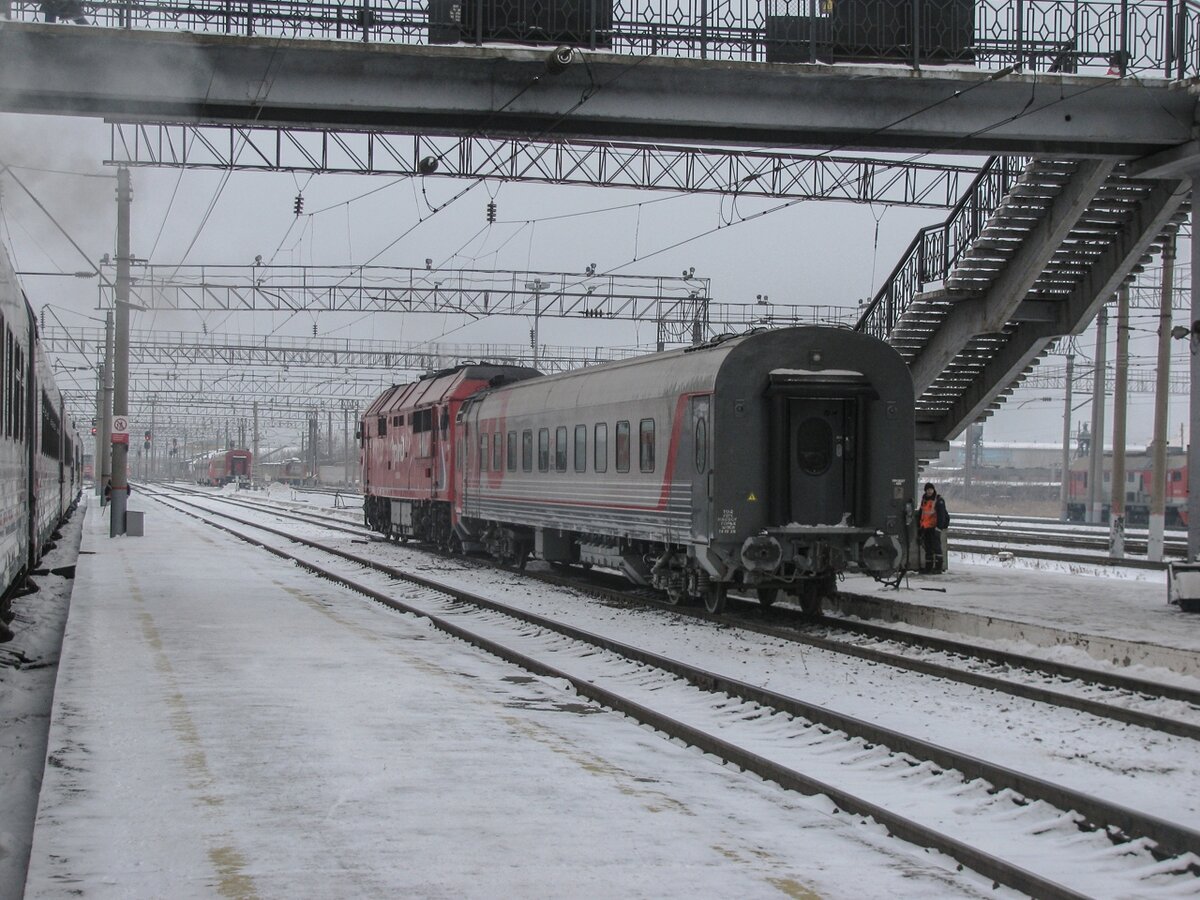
814 462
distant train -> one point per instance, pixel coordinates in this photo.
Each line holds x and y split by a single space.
773 461
1139 471
41 459
223 467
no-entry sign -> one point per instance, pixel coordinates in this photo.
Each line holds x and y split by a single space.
120 430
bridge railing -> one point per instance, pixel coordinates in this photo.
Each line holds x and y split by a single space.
936 249
1118 37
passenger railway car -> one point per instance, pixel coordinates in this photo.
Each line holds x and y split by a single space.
41 460
1139 488
774 461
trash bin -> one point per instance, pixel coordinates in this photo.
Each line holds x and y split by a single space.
135 523
1183 585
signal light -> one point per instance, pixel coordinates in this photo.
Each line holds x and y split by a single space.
147 435
93 431
491 211
298 205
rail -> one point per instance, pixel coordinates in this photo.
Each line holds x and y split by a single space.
936 249
1119 37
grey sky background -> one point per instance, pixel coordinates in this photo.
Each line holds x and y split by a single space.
807 252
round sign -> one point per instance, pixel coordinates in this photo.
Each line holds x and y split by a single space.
120 424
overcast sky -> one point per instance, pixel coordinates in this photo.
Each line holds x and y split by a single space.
808 252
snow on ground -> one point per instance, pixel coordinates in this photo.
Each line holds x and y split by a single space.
227 724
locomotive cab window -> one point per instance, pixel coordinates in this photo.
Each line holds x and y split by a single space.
623 446
560 448
580 448
527 450
512 451
543 449
646 445
600 448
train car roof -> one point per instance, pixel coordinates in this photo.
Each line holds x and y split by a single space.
449 384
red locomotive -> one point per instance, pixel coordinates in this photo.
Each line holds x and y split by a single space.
409 437
226 467
1139 474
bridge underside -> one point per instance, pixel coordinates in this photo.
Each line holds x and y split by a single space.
187 77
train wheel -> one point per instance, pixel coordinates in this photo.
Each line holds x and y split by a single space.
715 597
767 596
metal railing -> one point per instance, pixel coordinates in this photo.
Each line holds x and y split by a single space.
1118 37
936 249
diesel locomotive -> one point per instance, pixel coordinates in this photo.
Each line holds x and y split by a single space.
772 461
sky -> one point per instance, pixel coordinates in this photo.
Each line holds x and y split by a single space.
805 252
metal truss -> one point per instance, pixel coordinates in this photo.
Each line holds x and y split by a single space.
597 164
194 348
680 305
1141 380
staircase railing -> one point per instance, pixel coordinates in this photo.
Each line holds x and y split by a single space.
936 249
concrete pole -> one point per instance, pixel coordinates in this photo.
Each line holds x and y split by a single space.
106 377
254 449
151 453
1095 507
1193 447
345 445
1158 491
1116 516
1064 494
120 452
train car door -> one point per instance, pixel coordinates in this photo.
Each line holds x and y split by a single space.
696 457
821 470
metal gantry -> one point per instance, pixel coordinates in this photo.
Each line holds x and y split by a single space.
194 348
478 293
614 164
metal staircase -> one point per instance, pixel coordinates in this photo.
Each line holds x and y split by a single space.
1029 254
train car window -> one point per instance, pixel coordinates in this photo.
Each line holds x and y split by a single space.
646 445
400 419
8 384
543 449
580 448
600 448
622 446
483 452
814 446
382 426
3 379
512 451
496 451
445 420
527 450
560 448
701 445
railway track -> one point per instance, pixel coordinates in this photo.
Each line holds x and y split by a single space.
1160 707
802 746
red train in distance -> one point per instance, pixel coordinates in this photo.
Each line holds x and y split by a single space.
227 467
1139 472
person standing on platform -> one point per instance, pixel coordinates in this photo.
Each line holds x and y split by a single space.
933 521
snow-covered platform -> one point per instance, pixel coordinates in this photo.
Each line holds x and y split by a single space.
1081 613
227 725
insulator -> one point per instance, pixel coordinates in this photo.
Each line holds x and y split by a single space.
298 204
491 211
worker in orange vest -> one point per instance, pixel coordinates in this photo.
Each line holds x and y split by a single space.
934 519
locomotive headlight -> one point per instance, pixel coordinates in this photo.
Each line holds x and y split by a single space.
761 553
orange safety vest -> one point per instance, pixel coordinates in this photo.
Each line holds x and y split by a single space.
929 513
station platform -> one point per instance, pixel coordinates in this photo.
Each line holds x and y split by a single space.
226 725
1075 613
